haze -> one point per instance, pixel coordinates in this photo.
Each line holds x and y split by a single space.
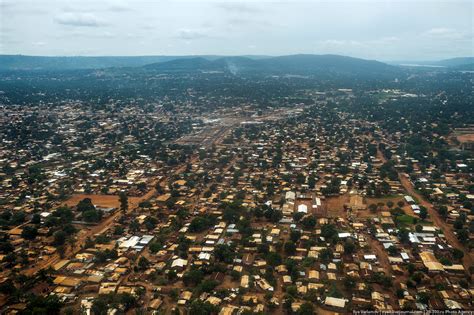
383 30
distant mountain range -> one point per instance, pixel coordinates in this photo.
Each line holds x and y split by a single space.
453 63
20 62
282 65
456 62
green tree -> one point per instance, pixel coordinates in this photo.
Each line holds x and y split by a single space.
85 205
423 213
306 309
308 222
29 232
349 247
199 307
403 235
224 253
59 238
290 248
458 254
143 263
37 304
193 277
123 201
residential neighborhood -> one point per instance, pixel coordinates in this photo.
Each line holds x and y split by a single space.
297 209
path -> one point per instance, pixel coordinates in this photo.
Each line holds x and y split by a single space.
439 222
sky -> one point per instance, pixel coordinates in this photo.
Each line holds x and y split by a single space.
372 29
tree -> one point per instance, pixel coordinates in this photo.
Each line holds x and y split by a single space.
29 232
392 250
207 285
143 263
123 201
38 304
445 261
59 238
273 259
373 207
92 215
199 307
349 282
423 297
201 223
36 219
224 253
290 248
329 232
458 254
295 235
308 222
231 212
443 211
403 235
463 235
155 247
99 307
306 309
349 247
7 287
423 213
400 293
85 205
325 255
193 277
118 230
150 223
134 225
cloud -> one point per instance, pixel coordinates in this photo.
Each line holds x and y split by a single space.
190 34
108 6
79 19
341 43
238 8
86 34
446 33
39 44
6 4
389 39
119 7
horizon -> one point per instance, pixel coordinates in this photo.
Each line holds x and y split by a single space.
242 55
405 30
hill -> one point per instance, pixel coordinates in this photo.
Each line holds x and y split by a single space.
20 62
28 63
284 65
456 62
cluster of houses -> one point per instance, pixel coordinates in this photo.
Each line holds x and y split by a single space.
274 217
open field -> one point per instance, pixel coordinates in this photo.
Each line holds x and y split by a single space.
335 205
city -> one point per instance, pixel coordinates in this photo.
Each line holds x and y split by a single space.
236 157
311 203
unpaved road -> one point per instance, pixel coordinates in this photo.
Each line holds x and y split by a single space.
439 222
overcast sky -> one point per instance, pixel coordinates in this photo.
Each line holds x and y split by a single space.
374 29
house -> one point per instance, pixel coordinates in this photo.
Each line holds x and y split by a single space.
431 263
335 302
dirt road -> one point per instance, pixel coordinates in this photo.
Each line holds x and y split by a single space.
434 216
439 222
101 200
